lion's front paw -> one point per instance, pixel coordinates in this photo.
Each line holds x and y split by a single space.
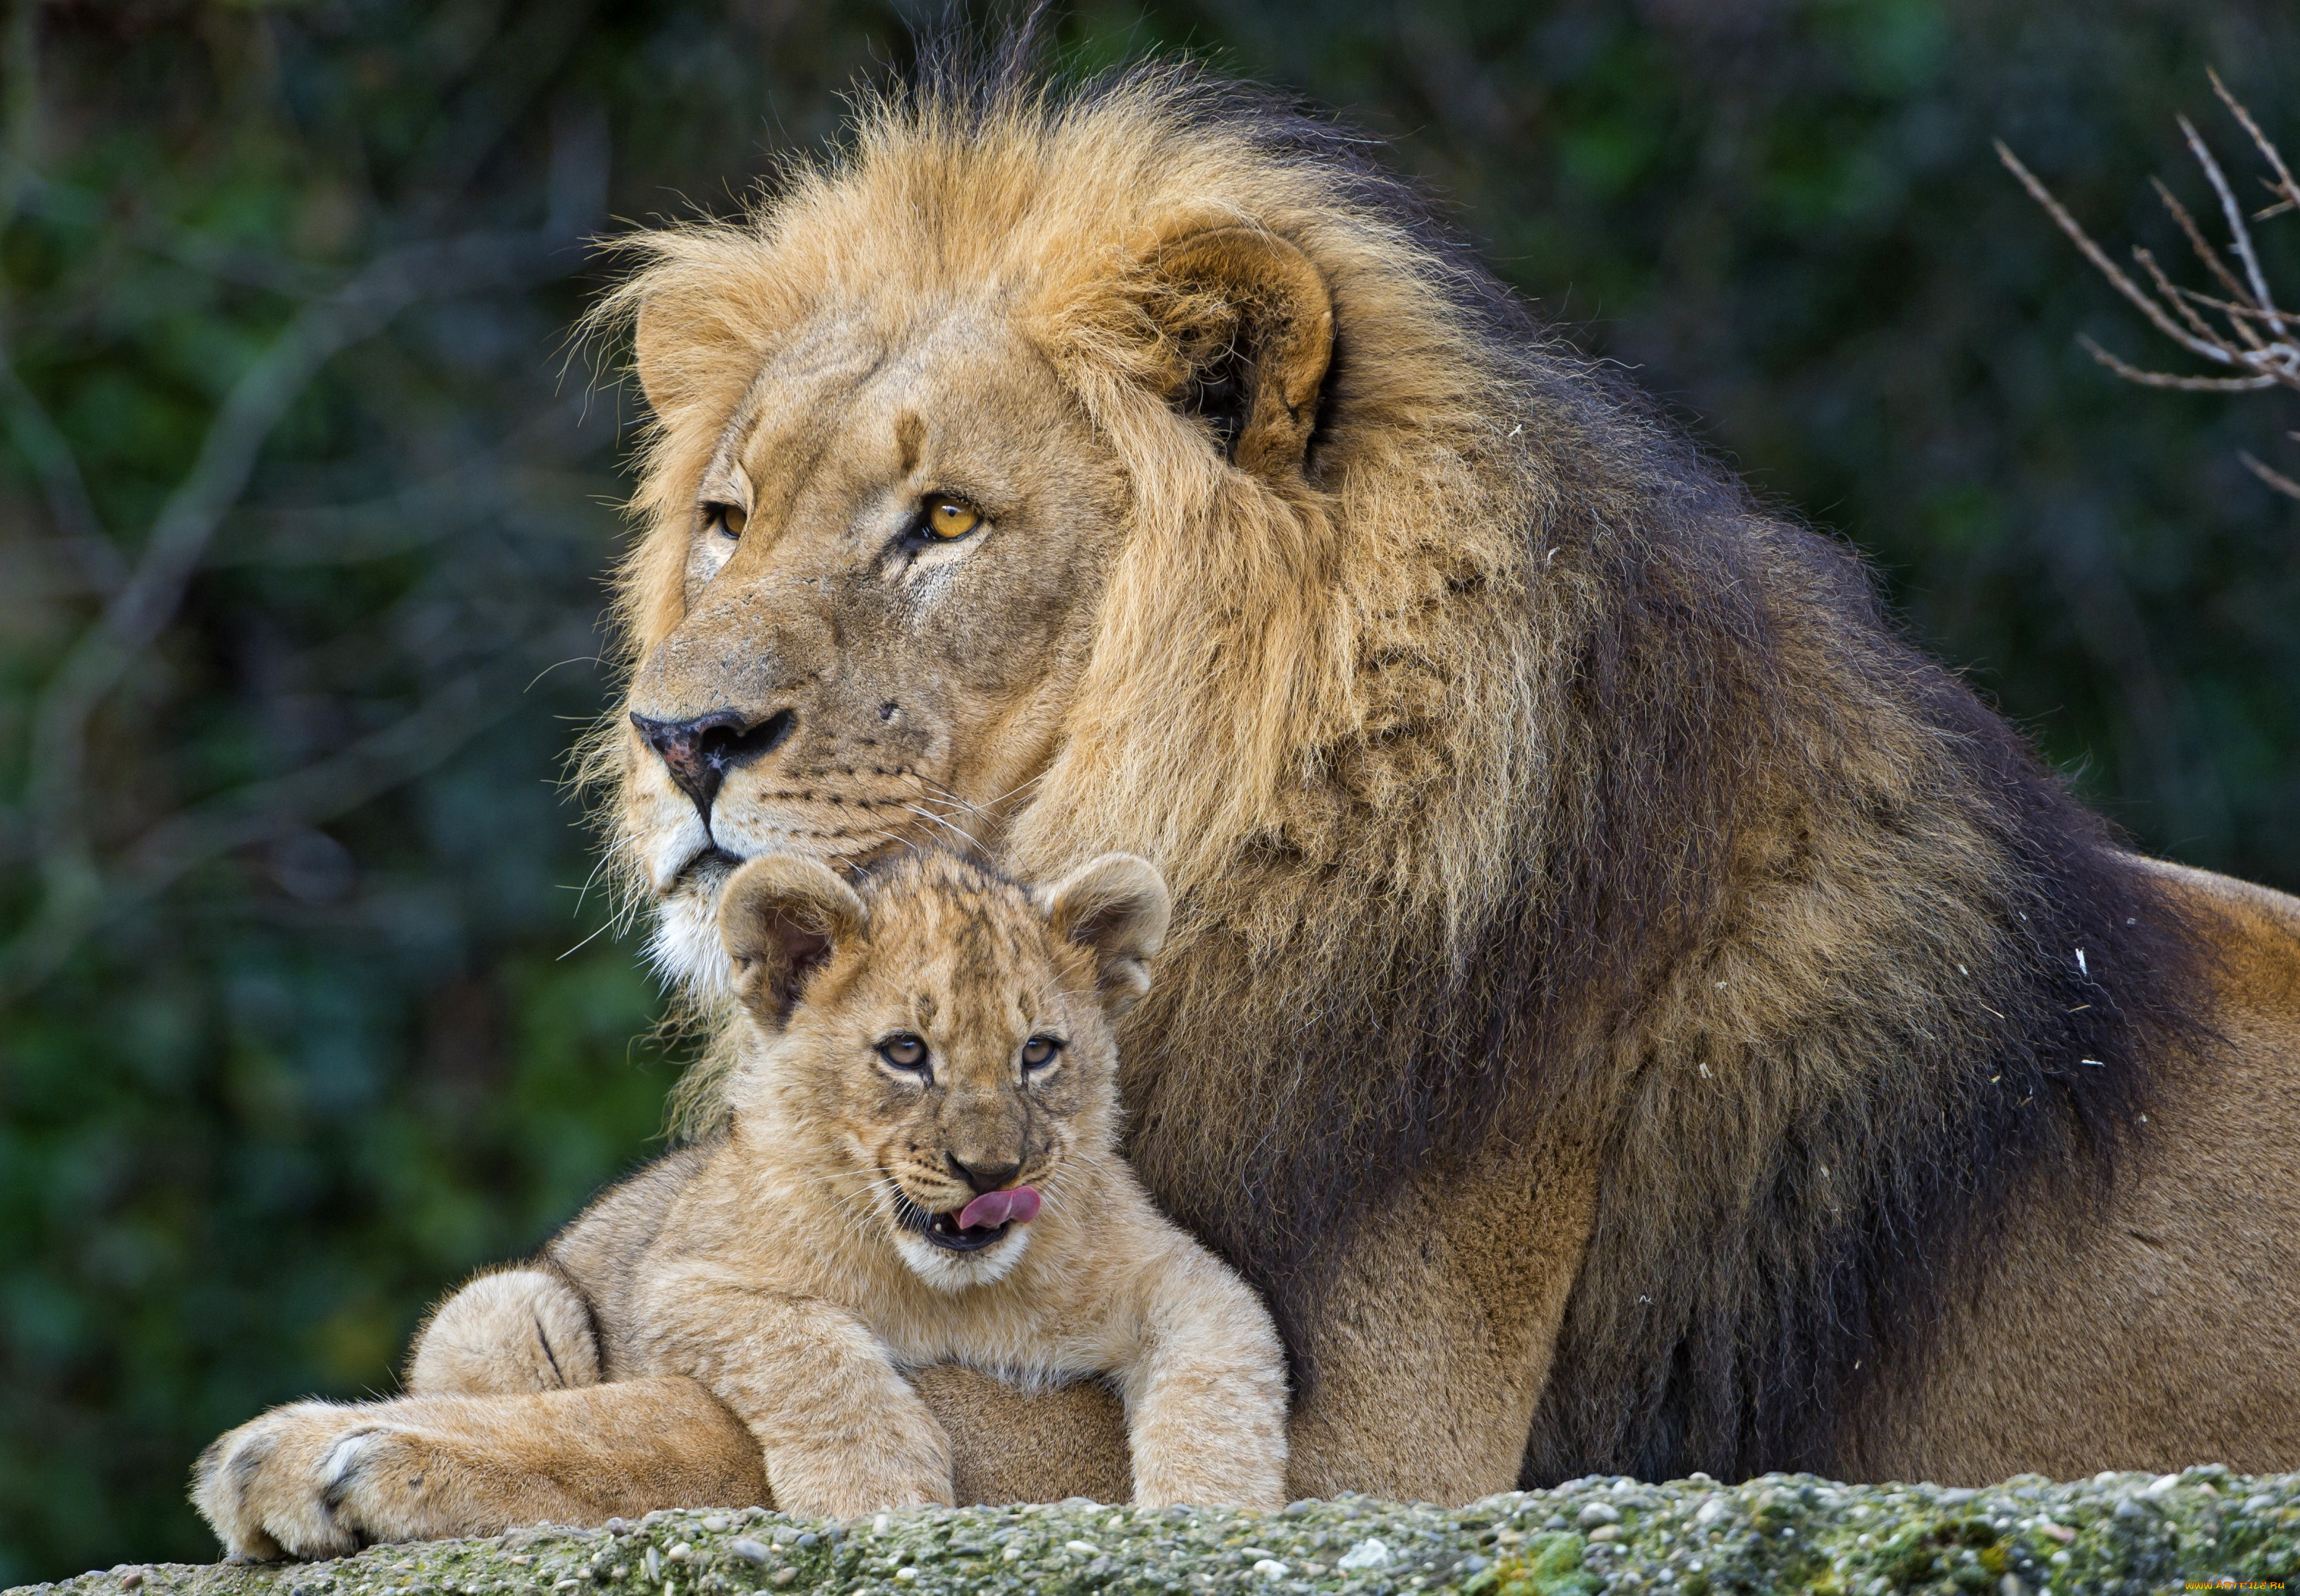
266 1487
320 1480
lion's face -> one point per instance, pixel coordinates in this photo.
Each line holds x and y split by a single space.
934 1056
895 555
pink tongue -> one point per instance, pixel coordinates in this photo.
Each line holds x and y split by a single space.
993 1209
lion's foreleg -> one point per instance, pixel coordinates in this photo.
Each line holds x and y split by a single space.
1437 1327
320 1479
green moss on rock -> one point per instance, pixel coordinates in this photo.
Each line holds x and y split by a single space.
2116 1532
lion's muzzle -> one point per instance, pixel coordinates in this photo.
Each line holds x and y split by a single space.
699 753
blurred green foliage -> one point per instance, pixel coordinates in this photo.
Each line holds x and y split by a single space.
303 1009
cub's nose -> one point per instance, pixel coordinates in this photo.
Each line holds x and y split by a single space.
699 753
982 1177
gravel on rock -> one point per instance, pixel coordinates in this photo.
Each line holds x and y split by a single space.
2115 1533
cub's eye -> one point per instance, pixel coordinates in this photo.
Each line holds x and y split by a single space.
1039 1052
951 519
904 1052
728 520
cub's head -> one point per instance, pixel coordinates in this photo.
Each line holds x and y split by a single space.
941 1038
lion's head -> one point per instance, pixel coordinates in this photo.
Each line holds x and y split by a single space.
999 487
1139 467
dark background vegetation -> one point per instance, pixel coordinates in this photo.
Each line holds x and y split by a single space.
303 517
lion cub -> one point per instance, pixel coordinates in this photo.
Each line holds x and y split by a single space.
923 1169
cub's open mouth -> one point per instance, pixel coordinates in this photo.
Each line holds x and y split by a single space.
945 1231
994 1214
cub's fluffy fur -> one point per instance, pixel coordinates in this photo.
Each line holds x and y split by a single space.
801 1263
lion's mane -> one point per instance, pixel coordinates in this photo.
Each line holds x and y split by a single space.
1516 764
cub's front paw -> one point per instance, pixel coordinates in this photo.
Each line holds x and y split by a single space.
827 1487
323 1479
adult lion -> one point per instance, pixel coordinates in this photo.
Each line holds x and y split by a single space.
1626 1008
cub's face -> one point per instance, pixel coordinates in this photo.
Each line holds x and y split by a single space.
944 1037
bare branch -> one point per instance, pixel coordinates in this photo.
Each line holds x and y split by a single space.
2107 267
2274 478
2277 319
2283 185
2181 302
2203 251
2240 240
2262 339
2165 379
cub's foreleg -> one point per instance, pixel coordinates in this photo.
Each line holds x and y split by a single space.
321 1479
505 1332
842 1432
1205 1397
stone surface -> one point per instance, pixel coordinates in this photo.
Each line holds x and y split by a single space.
2116 1532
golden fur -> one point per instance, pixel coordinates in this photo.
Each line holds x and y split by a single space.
1616 982
788 1269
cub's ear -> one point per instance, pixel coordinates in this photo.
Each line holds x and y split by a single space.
1118 905
781 915
1254 324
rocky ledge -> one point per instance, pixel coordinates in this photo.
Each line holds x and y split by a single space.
1783 1532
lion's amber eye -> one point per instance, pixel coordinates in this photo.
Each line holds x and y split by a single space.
728 519
1039 1052
951 519
904 1052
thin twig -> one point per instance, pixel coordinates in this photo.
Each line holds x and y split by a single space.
2260 337
2240 240
2166 379
2276 480
2179 302
2250 312
2107 267
2203 251
2284 185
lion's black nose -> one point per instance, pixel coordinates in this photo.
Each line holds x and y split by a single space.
982 1177
699 753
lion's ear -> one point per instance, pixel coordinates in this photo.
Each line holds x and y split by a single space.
656 354
1117 905
1254 323
693 343
781 915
